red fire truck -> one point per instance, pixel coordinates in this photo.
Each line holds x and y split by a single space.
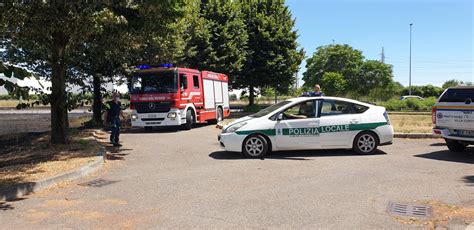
169 96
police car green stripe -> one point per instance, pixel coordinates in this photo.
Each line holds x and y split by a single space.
315 130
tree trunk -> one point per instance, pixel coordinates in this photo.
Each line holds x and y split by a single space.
59 122
97 106
251 95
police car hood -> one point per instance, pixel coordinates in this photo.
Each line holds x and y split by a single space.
242 119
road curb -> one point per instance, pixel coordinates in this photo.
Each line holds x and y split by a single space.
417 135
16 191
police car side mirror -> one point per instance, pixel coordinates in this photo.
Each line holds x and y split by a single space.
280 117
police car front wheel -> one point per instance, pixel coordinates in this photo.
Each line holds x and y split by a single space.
255 146
365 143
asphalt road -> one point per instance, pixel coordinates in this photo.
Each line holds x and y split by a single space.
21 121
182 180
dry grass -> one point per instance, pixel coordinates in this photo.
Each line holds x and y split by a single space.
411 123
8 103
39 159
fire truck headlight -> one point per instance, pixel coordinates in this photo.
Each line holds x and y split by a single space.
134 116
172 115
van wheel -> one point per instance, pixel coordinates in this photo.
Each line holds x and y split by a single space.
255 146
365 143
189 120
455 146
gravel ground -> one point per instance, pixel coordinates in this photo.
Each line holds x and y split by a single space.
183 180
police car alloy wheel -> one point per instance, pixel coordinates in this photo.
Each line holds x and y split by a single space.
255 146
365 143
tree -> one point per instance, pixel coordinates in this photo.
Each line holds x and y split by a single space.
216 37
57 41
451 83
104 52
374 79
342 59
272 55
334 84
41 35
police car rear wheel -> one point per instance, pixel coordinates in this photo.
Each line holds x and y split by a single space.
255 146
365 143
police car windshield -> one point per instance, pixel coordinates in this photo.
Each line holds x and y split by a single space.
270 109
163 82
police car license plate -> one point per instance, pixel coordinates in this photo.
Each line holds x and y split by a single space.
152 116
467 133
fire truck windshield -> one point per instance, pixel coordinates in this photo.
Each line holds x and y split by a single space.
164 82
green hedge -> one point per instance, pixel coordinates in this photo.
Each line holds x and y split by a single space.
411 104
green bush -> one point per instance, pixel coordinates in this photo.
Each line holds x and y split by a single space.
411 104
233 97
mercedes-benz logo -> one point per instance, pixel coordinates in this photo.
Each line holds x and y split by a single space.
151 105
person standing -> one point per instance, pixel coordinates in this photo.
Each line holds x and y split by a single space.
113 112
316 93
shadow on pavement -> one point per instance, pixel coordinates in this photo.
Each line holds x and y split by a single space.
438 144
292 155
115 153
170 129
446 155
469 180
5 207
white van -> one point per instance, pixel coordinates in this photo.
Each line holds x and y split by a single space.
453 117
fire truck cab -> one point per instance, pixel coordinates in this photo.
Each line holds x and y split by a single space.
169 96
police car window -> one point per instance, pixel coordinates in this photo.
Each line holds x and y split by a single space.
302 110
332 107
359 108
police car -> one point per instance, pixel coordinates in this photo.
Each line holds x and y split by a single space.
309 123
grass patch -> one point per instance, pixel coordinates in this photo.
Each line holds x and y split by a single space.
411 123
8 103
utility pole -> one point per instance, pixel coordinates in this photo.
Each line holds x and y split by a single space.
409 81
333 42
382 56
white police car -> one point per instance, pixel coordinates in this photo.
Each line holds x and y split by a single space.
309 123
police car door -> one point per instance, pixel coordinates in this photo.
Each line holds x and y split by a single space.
336 119
298 127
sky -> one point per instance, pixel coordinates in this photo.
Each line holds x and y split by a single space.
442 34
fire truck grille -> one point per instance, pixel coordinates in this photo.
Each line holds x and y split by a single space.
152 107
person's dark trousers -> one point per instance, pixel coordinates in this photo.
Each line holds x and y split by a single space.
115 128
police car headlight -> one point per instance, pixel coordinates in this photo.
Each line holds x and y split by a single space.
234 127
172 115
134 116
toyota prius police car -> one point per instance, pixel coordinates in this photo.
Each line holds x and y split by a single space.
309 123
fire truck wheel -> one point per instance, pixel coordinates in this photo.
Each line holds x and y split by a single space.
220 116
189 120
